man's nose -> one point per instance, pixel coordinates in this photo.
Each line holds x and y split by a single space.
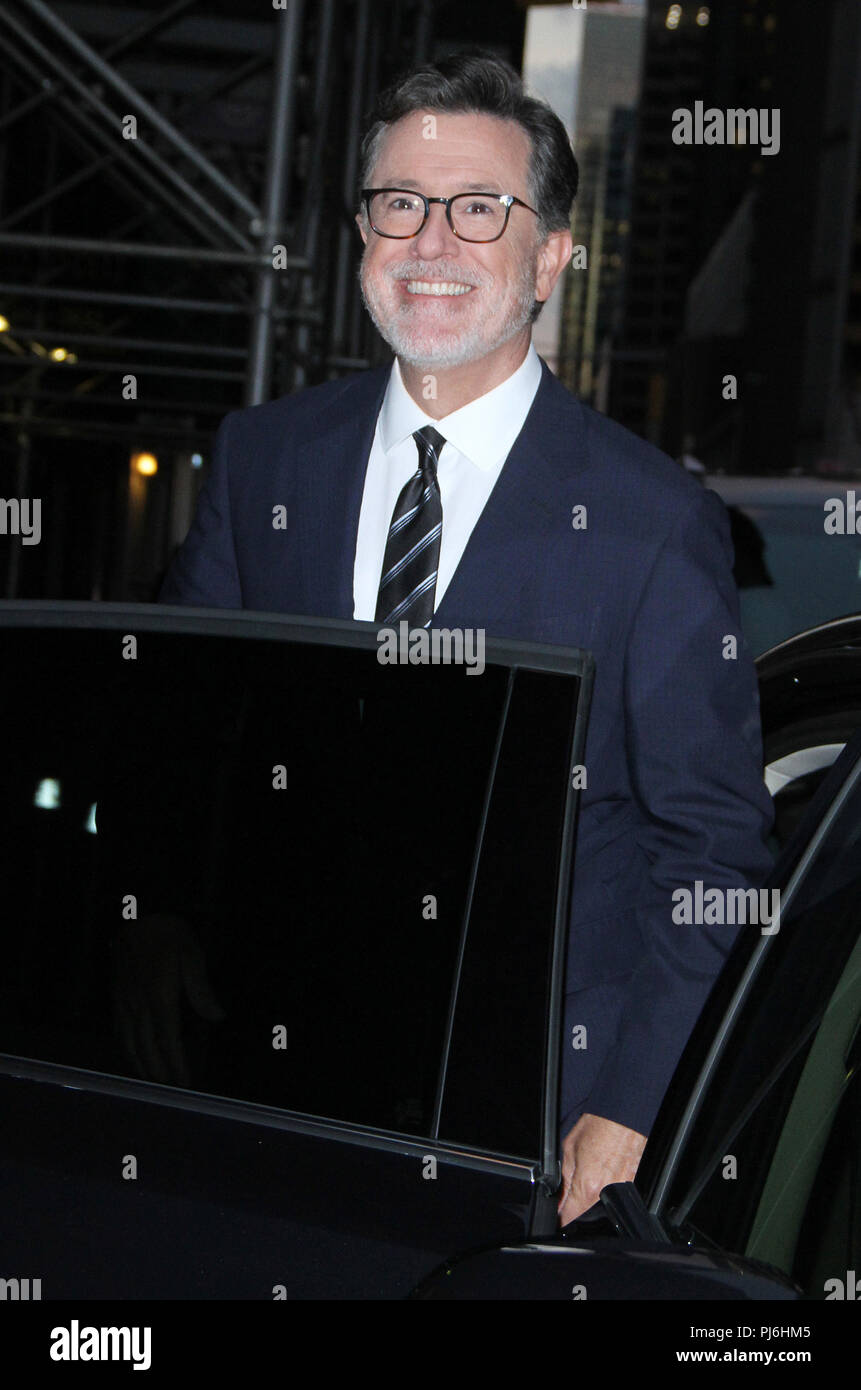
436 237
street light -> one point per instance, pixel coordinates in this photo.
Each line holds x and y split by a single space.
145 464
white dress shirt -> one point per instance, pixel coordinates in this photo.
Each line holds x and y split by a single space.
478 438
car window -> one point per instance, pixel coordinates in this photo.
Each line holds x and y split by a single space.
243 867
792 574
773 1169
815 577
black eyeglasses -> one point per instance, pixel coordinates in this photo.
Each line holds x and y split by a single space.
401 213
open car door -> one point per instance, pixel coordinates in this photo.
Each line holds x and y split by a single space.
284 929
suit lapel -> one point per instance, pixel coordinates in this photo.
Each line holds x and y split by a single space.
331 468
527 506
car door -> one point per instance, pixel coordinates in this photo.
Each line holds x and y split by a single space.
761 1137
284 930
750 1185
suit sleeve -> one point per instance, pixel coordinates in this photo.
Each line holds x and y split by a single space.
204 572
694 747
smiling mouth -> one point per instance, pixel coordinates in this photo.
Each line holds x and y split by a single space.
437 287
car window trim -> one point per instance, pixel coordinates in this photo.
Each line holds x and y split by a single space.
457 974
268 1116
551 1175
347 633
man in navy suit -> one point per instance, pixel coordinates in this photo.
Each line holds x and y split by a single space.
526 514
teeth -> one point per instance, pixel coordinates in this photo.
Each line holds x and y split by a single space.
437 287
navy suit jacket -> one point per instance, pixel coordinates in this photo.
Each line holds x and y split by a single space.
673 755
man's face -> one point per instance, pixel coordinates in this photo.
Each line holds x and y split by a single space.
413 289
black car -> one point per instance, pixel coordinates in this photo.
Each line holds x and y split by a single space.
280 1006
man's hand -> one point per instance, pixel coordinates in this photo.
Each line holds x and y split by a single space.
594 1153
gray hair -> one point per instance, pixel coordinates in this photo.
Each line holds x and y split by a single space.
479 82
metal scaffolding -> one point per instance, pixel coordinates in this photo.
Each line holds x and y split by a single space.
177 192
135 231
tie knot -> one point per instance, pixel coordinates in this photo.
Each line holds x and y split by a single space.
429 443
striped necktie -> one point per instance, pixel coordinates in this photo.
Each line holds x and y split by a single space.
411 561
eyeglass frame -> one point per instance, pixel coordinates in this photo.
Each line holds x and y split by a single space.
508 199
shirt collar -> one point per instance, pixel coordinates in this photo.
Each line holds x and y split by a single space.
483 430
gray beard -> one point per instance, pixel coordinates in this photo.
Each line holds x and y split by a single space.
469 348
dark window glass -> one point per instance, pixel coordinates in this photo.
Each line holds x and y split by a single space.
774 1167
494 1090
284 831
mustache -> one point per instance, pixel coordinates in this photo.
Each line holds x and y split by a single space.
439 270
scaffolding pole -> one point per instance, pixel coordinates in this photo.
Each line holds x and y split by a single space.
330 52
289 24
309 235
125 301
347 230
89 245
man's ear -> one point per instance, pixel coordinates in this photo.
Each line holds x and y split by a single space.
553 256
360 223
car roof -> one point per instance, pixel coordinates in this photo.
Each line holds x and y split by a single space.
776 492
